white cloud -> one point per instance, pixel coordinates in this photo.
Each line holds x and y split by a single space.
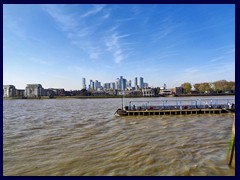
94 11
115 45
65 21
113 29
215 59
118 57
126 19
78 33
106 16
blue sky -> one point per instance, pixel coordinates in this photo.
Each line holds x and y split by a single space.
58 45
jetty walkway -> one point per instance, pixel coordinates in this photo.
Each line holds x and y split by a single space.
177 107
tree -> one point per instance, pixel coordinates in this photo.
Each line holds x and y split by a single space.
196 86
157 90
204 87
187 86
223 86
219 85
232 86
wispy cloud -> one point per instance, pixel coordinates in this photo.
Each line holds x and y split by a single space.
165 28
126 19
114 45
77 32
106 16
114 42
65 21
136 10
94 11
215 59
80 34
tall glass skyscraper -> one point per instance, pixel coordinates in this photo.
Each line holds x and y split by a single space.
136 83
83 83
141 85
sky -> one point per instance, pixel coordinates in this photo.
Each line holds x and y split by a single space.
58 45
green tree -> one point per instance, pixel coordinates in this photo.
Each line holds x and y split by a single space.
157 90
232 86
196 86
204 87
187 86
221 85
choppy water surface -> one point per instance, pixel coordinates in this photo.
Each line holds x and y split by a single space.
83 137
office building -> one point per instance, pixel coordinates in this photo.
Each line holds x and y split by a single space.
141 85
136 83
84 83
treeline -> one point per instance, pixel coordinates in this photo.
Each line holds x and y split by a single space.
220 86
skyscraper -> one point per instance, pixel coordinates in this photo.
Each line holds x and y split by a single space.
117 84
97 85
141 83
121 83
124 83
91 84
136 83
112 86
83 83
129 84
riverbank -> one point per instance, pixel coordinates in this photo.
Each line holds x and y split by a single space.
101 97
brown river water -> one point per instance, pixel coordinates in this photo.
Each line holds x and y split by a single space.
76 137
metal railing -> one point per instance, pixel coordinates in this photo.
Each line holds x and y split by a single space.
170 104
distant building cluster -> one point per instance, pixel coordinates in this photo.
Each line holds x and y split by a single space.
121 87
120 84
31 91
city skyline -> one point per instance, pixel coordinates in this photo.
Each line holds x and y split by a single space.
119 84
58 45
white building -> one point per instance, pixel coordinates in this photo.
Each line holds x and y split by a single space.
9 91
165 91
34 90
148 92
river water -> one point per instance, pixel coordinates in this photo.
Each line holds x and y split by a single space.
83 137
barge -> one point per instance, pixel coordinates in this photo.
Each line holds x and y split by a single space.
177 107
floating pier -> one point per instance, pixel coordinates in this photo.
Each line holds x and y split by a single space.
177 107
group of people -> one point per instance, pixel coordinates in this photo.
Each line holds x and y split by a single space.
207 106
